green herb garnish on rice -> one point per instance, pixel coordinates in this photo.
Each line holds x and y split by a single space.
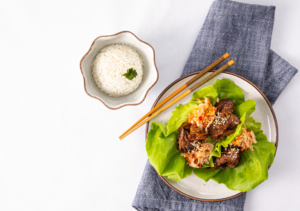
131 74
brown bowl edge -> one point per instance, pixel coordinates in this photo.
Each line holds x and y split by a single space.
112 36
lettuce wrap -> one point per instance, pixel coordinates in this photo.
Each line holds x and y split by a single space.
161 144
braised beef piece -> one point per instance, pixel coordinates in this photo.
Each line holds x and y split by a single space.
224 105
234 121
225 120
228 132
180 140
194 129
199 136
216 131
230 158
183 141
189 136
185 126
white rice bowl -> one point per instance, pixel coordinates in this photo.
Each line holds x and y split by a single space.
111 64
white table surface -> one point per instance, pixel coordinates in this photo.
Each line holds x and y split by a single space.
59 148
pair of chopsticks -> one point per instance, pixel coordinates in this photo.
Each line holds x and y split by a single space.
193 88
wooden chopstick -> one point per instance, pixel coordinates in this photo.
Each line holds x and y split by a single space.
193 88
210 67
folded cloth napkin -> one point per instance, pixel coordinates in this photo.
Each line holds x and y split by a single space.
244 31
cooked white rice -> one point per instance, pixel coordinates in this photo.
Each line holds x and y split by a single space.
111 64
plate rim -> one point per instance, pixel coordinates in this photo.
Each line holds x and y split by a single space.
226 72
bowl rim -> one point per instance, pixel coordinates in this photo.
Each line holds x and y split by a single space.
132 104
226 72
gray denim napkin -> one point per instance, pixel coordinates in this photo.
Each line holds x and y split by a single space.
244 31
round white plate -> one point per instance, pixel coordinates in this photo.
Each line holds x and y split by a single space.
192 186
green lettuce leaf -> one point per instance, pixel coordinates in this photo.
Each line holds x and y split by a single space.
209 91
247 107
206 174
180 115
217 149
242 110
163 153
227 88
253 169
160 149
164 156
